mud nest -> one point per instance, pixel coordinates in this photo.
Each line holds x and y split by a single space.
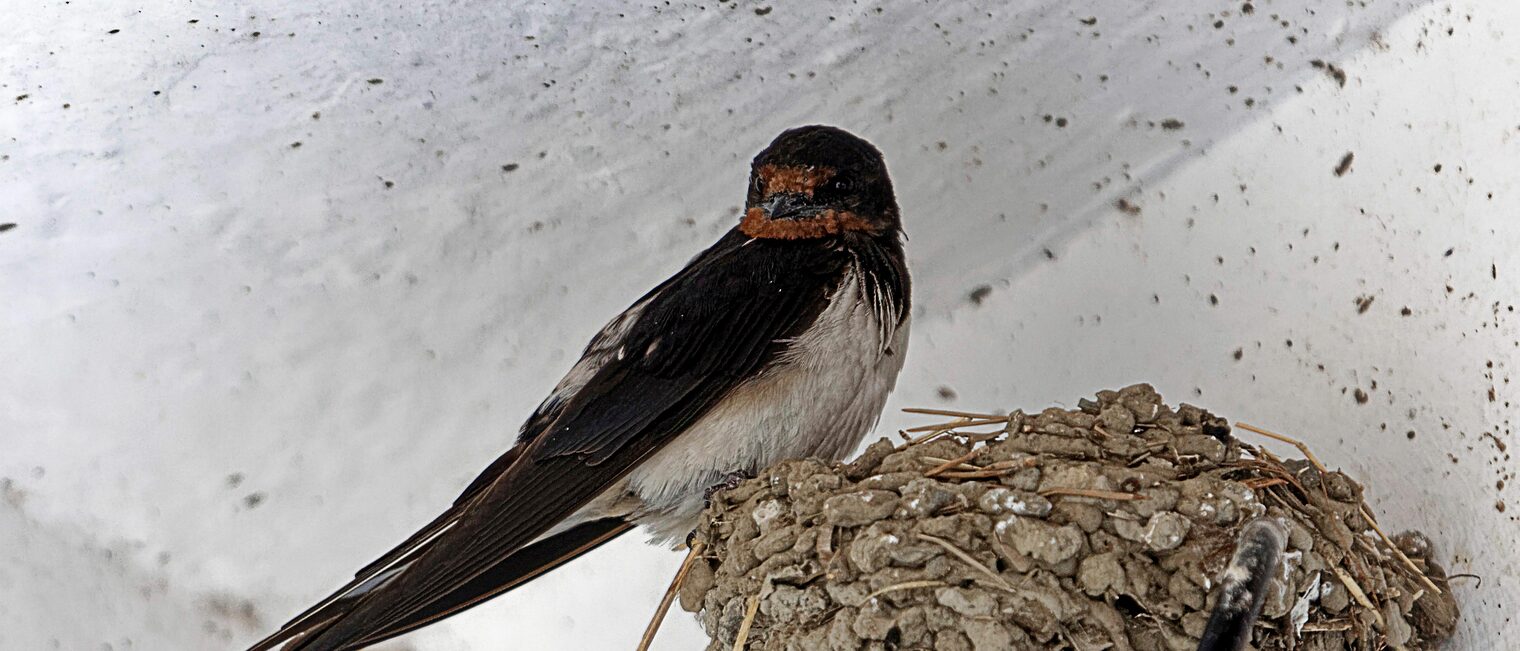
1105 527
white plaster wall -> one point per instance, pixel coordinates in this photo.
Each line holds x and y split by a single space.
233 370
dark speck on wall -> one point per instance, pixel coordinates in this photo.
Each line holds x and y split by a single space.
980 294
761 11
376 81
509 167
1345 164
6 226
1360 395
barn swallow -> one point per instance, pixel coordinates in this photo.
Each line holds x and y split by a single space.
781 340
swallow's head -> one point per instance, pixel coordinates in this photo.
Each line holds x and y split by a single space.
818 181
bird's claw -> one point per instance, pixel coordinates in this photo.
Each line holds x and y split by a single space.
730 481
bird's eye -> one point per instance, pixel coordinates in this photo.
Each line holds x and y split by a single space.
757 184
841 184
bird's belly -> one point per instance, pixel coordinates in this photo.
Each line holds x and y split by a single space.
819 401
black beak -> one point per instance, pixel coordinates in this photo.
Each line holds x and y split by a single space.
788 205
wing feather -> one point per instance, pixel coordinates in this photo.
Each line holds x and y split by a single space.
698 336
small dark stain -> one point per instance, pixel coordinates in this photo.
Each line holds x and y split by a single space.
1248 9
234 480
376 81
1499 506
1493 270
1239 353
1360 395
1406 311
1345 164
256 34
6 226
295 145
1049 254
1061 122
1126 207
193 21
1331 69
390 184
1437 168
946 393
114 31
1171 124
1449 252
510 167
1213 299
1409 435
761 11
1089 21
1218 24
1363 303
316 115
23 96
980 294
253 500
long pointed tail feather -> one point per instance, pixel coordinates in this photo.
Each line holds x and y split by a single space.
303 633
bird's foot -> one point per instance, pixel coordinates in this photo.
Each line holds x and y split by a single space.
730 481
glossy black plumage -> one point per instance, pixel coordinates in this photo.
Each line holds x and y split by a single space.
722 320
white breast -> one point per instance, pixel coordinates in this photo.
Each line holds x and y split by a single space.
820 399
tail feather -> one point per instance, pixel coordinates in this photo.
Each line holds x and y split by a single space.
303 632
1243 586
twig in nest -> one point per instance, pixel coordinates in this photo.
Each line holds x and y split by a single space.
922 438
1326 627
1290 441
1356 593
951 463
984 473
1268 464
1425 580
1089 492
749 620
670 594
964 422
909 585
952 413
967 559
